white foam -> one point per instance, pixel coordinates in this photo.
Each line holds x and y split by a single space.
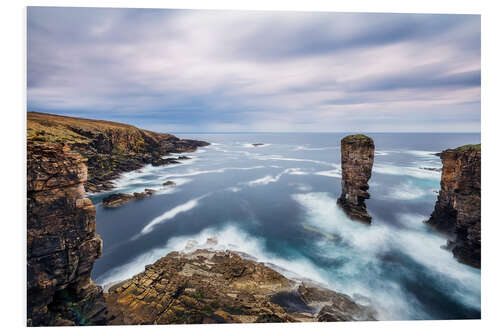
423 154
234 189
281 158
415 172
272 179
382 152
301 186
334 173
367 243
251 145
314 148
171 213
406 191
229 237
201 172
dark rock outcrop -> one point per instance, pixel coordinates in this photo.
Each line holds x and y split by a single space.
110 148
62 244
209 286
118 199
164 161
357 161
457 212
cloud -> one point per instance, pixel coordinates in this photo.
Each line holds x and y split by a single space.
178 70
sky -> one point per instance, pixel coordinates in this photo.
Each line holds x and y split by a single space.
228 71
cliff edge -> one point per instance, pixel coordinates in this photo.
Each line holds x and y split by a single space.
109 147
62 242
357 161
458 208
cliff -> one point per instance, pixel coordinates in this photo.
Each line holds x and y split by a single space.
357 162
109 147
458 208
61 241
209 286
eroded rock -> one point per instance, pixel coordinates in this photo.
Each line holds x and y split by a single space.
61 239
207 286
357 162
457 212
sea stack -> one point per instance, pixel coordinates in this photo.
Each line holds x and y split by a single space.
458 208
62 242
357 161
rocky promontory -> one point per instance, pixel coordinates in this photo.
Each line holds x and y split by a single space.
457 212
207 286
61 239
357 162
109 148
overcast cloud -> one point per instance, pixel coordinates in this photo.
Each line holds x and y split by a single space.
192 70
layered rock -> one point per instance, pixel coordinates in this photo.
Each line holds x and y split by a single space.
458 208
357 161
207 286
109 147
62 244
118 199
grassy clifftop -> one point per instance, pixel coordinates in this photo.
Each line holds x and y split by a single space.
109 147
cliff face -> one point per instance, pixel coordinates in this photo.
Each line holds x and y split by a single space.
110 148
458 209
357 161
207 286
62 243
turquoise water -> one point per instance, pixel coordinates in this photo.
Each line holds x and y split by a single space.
277 203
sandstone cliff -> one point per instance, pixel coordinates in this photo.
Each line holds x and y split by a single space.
357 161
209 286
458 209
62 243
109 147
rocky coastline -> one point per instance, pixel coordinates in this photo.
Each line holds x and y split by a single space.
208 286
358 153
203 286
109 148
62 244
457 211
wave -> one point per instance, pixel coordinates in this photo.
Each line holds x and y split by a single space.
228 237
314 148
272 179
301 186
251 145
281 158
407 191
365 247
171 213
415 172
335 173
423 153
201 172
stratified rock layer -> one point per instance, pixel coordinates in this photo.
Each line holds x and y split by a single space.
109 147
458 209
209 286
357 161
61 239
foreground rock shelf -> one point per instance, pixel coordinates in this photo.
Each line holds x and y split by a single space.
207 286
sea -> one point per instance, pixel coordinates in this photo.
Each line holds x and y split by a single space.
276 202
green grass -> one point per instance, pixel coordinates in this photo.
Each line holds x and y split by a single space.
469 147
357 138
